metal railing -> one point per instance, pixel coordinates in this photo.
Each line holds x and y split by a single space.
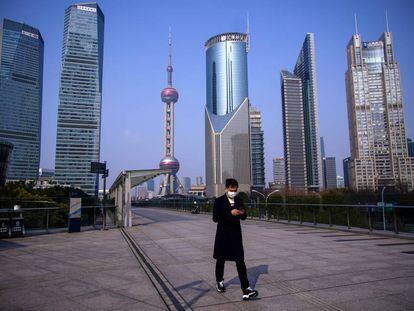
370 217
53 218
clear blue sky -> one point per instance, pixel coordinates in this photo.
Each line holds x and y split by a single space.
135 60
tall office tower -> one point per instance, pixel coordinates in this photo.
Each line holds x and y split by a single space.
279 172
199 180
21 79
80 97
169 96
186 184
328 168
151 185
305 69
257 149
293 132
340 182
6 149
345 165
379 156
329 172
410 146
227 129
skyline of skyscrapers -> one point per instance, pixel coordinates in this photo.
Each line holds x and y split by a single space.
21 86
398 164
379 155
227 129
80 97
257 149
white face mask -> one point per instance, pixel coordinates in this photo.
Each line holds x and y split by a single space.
231 194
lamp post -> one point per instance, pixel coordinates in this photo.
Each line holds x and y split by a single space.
266 197
383 207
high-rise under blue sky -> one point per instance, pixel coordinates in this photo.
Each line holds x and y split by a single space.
135 58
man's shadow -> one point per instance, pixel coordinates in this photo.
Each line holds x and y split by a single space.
253 274
202 288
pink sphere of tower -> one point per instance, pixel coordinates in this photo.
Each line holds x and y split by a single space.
170 163
169 94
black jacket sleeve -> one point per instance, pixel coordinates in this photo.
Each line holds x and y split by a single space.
220 212
241 207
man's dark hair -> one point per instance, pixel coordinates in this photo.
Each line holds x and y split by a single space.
231 182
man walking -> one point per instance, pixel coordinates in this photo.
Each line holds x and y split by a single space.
228 246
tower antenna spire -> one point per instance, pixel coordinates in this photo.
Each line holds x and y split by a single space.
169 68
248 33
356 23
386 20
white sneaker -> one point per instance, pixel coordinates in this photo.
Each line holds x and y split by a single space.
249 293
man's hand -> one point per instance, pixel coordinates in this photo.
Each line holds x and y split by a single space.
235 212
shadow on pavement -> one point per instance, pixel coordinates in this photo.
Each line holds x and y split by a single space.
4 245
253 275
202 288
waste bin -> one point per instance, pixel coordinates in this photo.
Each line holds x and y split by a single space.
4 228
17 227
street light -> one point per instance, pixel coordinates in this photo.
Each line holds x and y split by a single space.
383 207
266 197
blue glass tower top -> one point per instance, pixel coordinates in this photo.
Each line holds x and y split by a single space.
21 79
226 70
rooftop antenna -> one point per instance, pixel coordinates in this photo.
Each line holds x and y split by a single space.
386 20
356 24
248 34
169 69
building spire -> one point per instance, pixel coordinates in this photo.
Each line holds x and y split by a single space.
386 20
248 33
356 23
169 68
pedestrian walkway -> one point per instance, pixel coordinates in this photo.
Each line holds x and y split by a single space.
293 267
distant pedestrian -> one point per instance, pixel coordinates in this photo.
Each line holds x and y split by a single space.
228 246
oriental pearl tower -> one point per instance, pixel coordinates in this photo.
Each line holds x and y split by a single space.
169 96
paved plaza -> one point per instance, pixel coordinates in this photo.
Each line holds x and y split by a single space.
293 267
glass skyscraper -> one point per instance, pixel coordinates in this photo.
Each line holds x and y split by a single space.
80 97
279 172
410 146
257 147
329 172
21 79
227 128
293 132
305 69
379 156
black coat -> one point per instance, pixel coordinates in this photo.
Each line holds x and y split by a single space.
229 242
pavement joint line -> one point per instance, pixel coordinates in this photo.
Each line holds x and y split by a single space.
312 232
395 244
351 284
341 235
365 239
306 296
169 295
165 294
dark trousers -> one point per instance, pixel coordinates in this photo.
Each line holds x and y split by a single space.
241 270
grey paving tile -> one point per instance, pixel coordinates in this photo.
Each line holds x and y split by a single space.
104 300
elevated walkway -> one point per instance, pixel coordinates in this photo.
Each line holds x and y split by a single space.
164 262
121 188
